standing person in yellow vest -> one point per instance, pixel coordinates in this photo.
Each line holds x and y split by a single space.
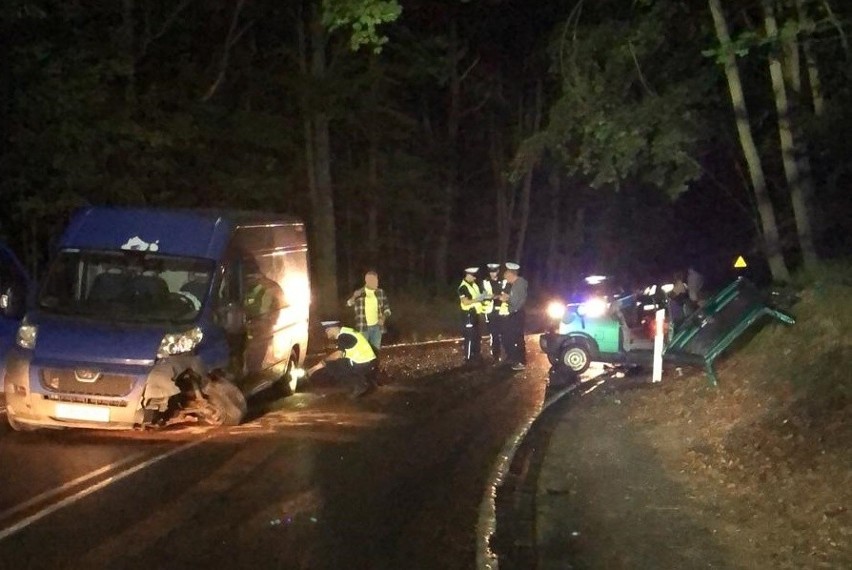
493 286
470 301
371 309
353 361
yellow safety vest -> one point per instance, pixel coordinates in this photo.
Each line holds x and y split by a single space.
488 304
473 289
503 310
362 352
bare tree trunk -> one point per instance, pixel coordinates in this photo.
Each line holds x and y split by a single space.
527 189
318 160
764 205
503 212
797 186
373 203
552 261
129 40
806 24
446 208
838 25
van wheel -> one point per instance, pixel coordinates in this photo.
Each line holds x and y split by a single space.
227 403
576 358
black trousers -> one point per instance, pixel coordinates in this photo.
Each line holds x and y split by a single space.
496 324
358 376
513 334
472 345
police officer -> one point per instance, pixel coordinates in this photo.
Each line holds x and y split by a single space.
470 301
515 300
354 360
492 286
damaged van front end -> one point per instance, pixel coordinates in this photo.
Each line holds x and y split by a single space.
59 377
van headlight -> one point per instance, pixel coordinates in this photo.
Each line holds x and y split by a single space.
26 337
179 343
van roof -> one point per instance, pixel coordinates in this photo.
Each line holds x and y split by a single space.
181 232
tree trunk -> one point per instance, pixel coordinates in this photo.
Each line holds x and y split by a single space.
552 260
795 181
528 179
373 203
806 24
503 213
318 166
446 208
764 205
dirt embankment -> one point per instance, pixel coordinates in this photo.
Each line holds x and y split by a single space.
756 473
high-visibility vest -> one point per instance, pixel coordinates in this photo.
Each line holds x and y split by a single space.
488 304
362 352
503 310
473 290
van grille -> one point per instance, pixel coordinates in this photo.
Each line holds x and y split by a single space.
65 381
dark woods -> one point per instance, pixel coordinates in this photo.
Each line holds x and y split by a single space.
571 136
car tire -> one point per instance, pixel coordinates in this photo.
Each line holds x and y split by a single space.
576 358
229 403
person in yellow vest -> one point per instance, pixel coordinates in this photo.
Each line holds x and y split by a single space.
471 302
371 309
493 286
352 362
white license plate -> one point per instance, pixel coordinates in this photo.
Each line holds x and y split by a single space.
82 412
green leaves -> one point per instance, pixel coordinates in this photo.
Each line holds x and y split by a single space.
362 18
624 113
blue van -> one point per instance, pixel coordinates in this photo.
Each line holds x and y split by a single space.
149 317
15 285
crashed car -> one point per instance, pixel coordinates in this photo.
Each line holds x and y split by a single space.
150 317
597 329
600 323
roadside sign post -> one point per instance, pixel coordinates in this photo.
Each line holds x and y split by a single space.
657 374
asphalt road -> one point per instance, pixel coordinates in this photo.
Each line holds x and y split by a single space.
316 480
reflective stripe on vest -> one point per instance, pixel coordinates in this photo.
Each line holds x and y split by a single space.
503 311
487 305
473 291
362 352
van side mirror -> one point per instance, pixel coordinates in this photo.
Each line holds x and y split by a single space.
232 318
11 304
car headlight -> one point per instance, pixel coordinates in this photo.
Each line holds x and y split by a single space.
556 310
593 308
179 343
26 337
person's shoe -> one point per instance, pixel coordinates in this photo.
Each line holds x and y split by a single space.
518 366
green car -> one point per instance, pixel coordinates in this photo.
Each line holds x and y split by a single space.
598 329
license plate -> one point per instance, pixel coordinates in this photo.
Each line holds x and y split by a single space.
82 412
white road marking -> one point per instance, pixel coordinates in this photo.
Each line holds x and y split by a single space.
70 484
71 499
138 537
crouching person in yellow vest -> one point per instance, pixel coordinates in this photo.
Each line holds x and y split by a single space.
353 362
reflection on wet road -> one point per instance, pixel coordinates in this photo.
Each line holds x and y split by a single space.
316 480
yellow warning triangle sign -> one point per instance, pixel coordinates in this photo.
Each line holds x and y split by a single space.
740 263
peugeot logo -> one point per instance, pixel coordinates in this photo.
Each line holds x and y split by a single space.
86 375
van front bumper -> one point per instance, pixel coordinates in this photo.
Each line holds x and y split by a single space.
31 403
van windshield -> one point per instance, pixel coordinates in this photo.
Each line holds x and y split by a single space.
126 286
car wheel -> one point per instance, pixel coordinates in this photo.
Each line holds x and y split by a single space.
228 402
576 358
